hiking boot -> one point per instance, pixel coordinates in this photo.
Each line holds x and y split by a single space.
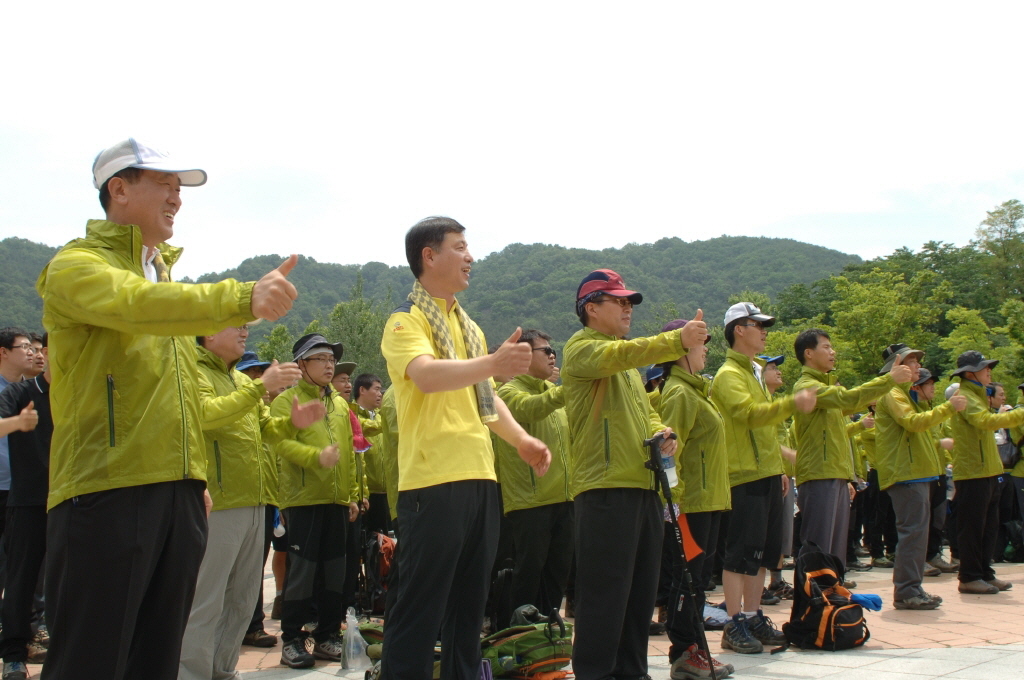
862 552
882 562
848 584
656 628
275 611
916 602
764 630
736 636
978 587
330 649
768 597
693 665
15 670
294 654
929 570
259 638
857 565
933 598
999 583
944 566
36 652
781 589
42 636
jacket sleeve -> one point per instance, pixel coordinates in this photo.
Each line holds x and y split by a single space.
594 358
732 397
847 400
274 429
371 426
290 448
531 408
218 411
903 412
980 417
83 287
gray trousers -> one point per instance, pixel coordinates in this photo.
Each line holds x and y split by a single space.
226 591
825 515
912 505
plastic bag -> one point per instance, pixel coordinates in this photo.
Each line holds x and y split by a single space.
354 657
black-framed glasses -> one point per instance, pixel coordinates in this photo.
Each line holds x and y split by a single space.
325 360
622 302
756 325
550 351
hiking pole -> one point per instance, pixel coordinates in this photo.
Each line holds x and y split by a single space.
654 463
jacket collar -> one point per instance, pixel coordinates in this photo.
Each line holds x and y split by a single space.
745 362
126 238
695 381
208 358
532 383
827 378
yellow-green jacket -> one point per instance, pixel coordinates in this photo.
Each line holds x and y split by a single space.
608 411
702 463
374 475
1017 434
124 396
537 405
822 449
751 417
974 445
785 437
389 448
236 423
303 481
905 446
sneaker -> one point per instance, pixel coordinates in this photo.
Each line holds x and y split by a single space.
764 630
933 598
768 597
848 584
259 638
944 566
294 654
36 652
862 552
42 636
929 570
781 589
693 665
736 636
882 562
275 611
999 583
978 587
15 670
916 602
330 649
857 565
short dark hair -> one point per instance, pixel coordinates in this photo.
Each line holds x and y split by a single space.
730 330
364 381
427 233
808 339
531 334
45 339
129 175
201 340
8 334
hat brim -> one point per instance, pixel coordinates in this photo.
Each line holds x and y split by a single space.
634 297
192 177
887 366
924 380
252 364
346 367
974 368
775 360
337 349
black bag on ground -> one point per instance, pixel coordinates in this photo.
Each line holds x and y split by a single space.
499 599
823 616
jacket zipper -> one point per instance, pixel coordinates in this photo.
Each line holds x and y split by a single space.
824 444
607 446
910 450
703 472
565 463
216 456
330 436
181 403
753 445
110 409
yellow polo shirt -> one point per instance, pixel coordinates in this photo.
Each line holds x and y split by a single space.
441 437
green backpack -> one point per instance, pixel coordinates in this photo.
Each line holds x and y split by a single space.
529 650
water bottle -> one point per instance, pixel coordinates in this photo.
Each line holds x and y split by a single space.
668 464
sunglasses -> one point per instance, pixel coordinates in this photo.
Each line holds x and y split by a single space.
550 351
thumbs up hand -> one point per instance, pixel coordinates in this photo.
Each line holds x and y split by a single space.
272 296
512 358
28 418
958 401
694 332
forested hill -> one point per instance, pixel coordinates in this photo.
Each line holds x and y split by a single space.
528 285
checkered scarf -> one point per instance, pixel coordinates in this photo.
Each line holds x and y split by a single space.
446 346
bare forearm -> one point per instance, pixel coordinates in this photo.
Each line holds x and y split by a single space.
442 375
506 426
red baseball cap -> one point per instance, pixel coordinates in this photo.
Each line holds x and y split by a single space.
608 282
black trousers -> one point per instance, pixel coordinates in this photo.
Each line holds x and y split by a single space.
448 539
619 534
258 615
316 570
881 526
378 517
25 546
353 562
938 517
977 525
685 613
122 562
543 538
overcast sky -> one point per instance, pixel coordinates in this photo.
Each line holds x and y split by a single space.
330 128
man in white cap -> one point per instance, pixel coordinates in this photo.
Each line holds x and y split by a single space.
127 504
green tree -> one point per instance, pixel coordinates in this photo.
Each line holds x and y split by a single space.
1000 235
277 345
359 324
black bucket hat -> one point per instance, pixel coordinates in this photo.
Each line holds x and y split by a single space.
311 341
972 361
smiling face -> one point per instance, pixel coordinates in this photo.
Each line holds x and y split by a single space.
772 377
229 344
446 269
151 203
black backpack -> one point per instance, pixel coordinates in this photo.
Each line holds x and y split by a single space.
823 616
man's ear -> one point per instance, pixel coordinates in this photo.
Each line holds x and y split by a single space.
117 188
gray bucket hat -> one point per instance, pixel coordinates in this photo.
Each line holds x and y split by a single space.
304 346
894 350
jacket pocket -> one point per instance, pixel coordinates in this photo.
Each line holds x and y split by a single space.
216 458
607 445
110 410
703 472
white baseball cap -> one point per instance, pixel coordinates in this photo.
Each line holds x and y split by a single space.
741 310
132 154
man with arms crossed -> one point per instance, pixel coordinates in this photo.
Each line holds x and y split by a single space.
447 492
127 518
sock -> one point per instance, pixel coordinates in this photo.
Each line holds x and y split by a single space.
749 615
279 593
776 575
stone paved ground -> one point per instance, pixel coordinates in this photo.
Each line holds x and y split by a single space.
973 637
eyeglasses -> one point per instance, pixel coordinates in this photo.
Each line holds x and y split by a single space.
752 325
622 302
27 346
550 351
326 359
244 328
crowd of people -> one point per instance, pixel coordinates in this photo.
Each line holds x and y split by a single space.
153 462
